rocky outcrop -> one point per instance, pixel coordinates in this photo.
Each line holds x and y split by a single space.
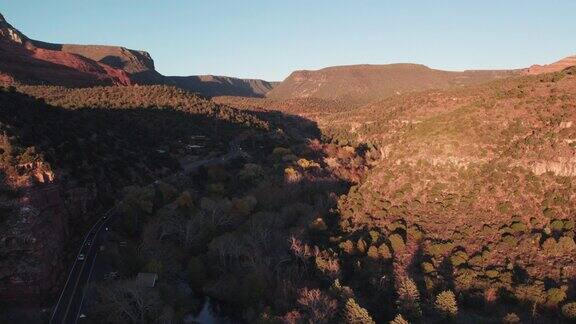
32 235
565 167
34 230
212 86
10 33
554 67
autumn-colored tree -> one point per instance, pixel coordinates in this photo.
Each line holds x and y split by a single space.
399 320
569 311
355 314
446 305
319 307
409 299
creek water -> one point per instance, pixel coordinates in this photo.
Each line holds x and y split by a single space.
211 314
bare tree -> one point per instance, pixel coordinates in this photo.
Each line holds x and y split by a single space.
318 305
128 301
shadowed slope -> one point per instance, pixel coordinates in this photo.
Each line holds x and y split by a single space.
211 86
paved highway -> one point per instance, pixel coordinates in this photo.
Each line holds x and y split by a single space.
69 305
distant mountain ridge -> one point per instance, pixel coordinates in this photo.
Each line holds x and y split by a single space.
23 60
563 64
29 61
213 86
364 83
361 84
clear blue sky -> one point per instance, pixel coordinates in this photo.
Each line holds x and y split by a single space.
270 38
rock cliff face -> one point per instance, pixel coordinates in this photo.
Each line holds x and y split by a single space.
32 236
565 167
10 33
29 61
31 65
34 230
32 62
138 64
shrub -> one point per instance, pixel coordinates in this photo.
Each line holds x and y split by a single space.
518 227
531 294
476 261
492 273
384 252
374 237
373 253
506 230
458 258
504 207
566 243
415 233
569 311
465 278
328 265
557 225
185 200
347 246
397 243
549 245
428 267
355 314
554 296
399 320
446 304
439 249
409 299
291 175
396 224
319 225
306 164
341 292
511 318
509 239
361 246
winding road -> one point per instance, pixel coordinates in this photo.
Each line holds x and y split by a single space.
69 305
